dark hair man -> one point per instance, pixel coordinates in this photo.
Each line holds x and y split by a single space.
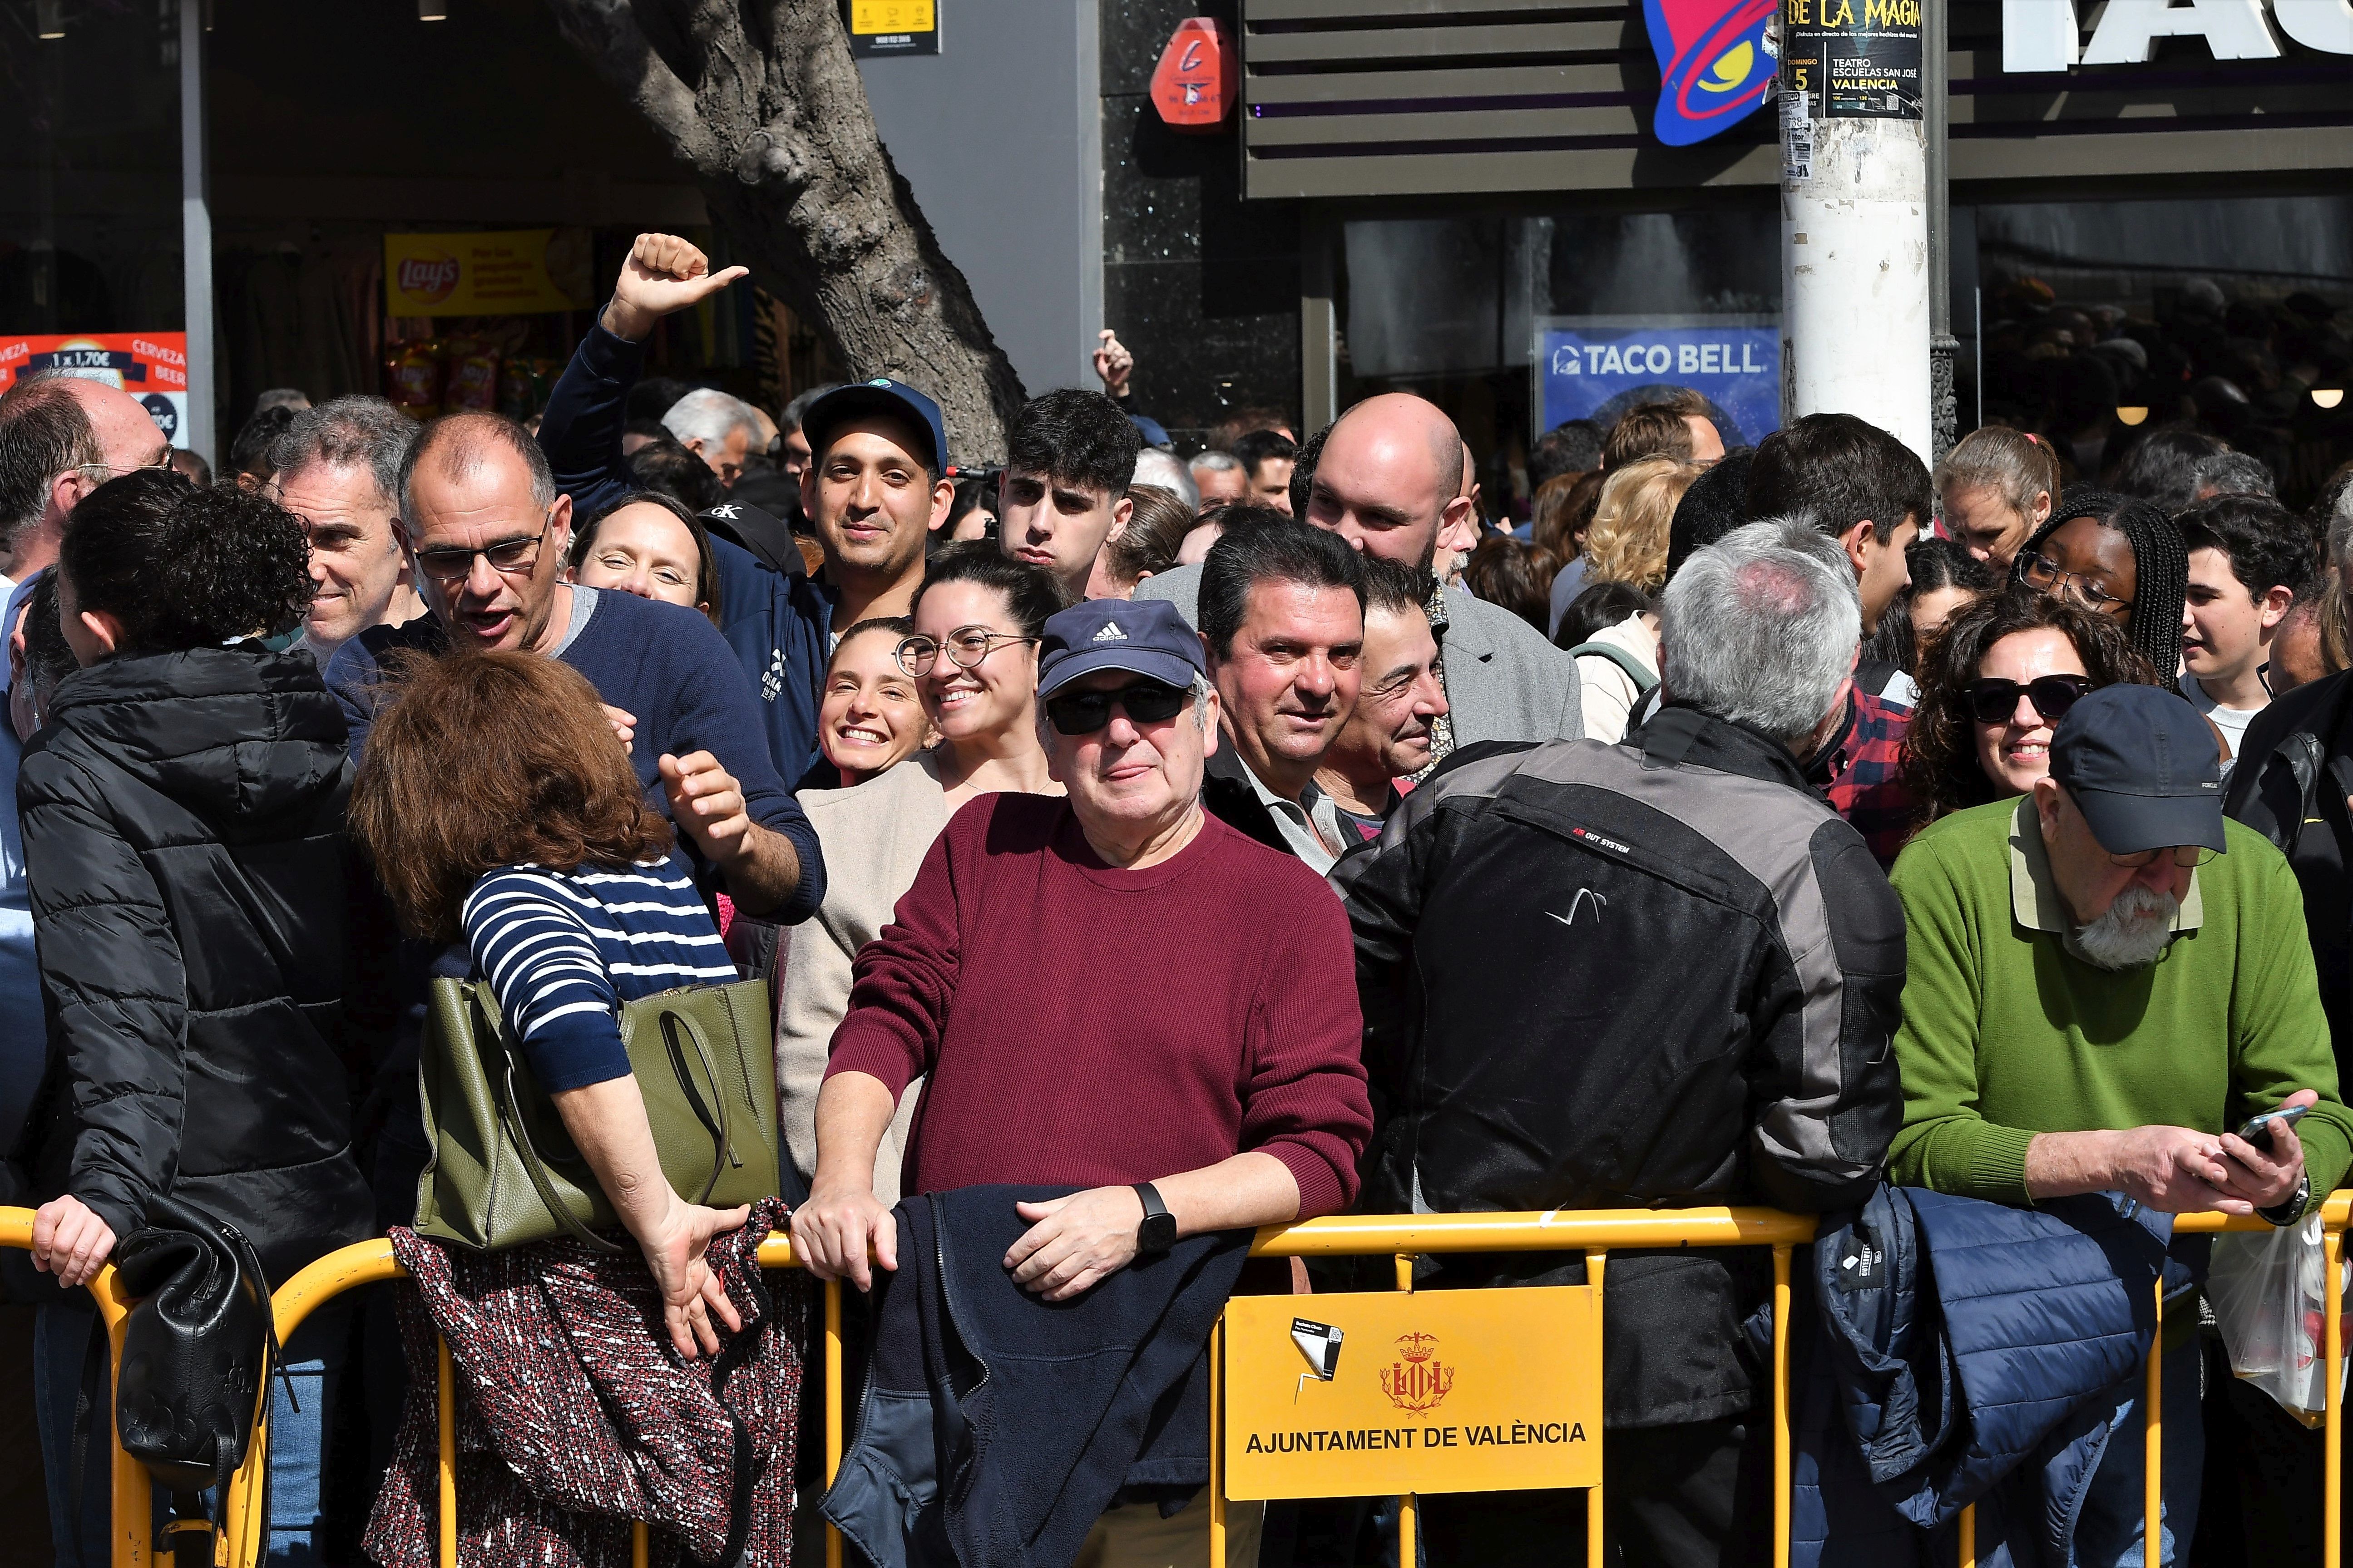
1267 457
1571 940
1398 700
1856 483
1283 619
2250 561
61 436
875 490
1389 478
1069 459
1571 446
337 468
1235 1101
2102 980
1716 503
1648 430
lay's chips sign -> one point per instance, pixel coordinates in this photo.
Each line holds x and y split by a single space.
1713 69
505 273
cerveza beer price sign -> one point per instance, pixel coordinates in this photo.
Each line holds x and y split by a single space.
1438 1390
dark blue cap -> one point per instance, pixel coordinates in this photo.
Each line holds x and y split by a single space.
882 394
1154 433
1145 637
2144 769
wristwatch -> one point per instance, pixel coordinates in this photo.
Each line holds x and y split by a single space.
1158 1232
2290 1210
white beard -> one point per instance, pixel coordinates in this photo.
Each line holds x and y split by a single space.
2133 933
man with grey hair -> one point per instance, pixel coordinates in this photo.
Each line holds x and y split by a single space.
1218 479
717 428
337 468
1156 467
1672 971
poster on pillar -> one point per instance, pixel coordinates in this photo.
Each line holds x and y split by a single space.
153 367
1597 367
1853 60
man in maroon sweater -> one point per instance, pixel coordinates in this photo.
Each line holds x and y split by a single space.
1113 991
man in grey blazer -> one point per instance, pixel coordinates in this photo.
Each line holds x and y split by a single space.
1389 479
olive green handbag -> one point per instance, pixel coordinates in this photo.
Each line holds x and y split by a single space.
504 1172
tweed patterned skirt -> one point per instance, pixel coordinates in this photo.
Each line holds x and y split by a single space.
575 1416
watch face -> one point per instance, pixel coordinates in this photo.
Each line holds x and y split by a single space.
1157 1234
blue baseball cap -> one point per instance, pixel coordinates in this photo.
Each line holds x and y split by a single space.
1154 433
1144 637
879 396
2143 768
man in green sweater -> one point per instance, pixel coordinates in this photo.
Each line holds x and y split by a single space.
2102 979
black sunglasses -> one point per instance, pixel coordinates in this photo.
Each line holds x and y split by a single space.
1144 702
1993 702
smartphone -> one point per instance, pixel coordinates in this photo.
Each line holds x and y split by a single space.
2258 1130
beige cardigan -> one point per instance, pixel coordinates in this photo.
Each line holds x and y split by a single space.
874 835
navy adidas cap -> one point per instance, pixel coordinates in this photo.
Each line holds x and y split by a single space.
882 395
1143 636
2143 768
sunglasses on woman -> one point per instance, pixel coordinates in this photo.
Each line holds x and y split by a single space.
1144 702
1993 702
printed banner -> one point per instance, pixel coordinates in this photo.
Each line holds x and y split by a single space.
1597 367
1853 59
512 272
151 366
1435 1391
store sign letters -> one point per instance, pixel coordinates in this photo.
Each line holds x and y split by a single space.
508 272
1434 1391
151 366
1597 367
2043 35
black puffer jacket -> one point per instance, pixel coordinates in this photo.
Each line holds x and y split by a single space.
183 817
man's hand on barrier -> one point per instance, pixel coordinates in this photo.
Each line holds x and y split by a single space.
690 1288
2267 1181
1076 1241
70 1242
2174 1170
833 1232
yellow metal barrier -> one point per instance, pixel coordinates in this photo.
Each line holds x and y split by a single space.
1594 1231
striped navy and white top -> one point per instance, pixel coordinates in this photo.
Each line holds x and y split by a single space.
563 950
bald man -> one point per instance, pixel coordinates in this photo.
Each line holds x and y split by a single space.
1391 479
61 436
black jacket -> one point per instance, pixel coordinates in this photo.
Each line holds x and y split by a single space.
995 1427
1227 795
183 819
1660 974
2294 771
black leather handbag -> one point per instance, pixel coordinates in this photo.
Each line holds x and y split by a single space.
198 1351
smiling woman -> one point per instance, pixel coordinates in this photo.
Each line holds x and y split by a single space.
647 544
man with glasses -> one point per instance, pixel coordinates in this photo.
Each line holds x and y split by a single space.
61 436
1009 981
2106 980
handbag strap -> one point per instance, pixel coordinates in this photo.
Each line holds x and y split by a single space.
511 1118
723 1146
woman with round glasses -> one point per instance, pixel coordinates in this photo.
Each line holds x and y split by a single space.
1995 683
2120 558
972 658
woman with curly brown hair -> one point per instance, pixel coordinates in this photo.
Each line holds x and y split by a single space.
1996 681
496 804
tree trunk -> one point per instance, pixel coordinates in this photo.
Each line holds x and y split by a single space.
763 99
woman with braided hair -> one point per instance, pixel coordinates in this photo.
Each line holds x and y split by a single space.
2121 558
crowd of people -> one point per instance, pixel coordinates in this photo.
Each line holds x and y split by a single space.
1139 851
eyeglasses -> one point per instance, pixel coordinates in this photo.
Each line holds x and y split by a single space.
1144 702
966 646
1993 702
2041 572
162 459
2185 857
508 558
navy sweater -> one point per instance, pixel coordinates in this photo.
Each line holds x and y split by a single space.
660 662
777 625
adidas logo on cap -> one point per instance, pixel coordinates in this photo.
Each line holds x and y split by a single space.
1111 633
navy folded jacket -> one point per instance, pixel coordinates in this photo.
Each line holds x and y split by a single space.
996 1426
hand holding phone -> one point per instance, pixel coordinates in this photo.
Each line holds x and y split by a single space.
2258 1130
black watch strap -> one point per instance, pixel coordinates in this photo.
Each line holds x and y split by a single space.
2288 1213
1158 1231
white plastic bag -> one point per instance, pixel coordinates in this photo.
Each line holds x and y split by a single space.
2268 1294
